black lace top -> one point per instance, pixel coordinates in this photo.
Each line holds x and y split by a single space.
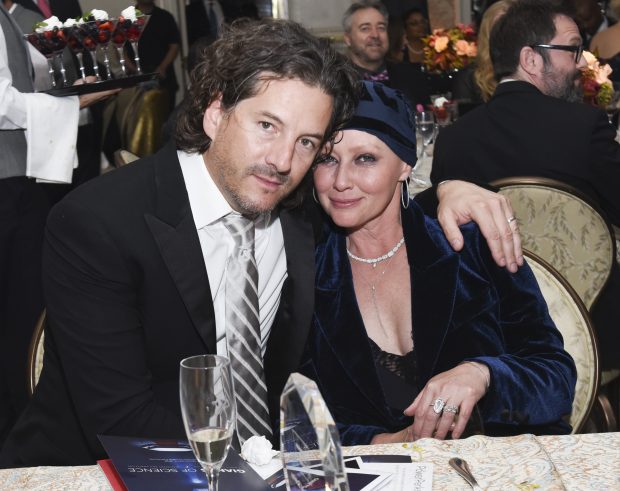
397 374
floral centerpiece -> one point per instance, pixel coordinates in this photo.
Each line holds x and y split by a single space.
597 88
450 49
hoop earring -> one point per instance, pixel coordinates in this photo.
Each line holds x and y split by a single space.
314 195
404 193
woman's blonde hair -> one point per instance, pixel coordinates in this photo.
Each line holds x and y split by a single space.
484 67
614 5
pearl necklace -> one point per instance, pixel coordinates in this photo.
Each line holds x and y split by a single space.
375 260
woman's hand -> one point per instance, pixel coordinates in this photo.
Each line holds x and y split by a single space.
461 387
405 435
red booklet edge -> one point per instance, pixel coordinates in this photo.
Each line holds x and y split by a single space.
112 474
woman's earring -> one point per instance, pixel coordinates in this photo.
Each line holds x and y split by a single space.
314 195
404 193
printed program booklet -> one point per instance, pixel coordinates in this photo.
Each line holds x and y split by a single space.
146 464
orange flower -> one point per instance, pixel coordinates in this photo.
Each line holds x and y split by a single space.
441 43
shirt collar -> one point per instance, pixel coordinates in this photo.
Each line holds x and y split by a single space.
207 203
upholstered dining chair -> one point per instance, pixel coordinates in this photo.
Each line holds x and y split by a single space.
564 227
568 230
35 354
572 319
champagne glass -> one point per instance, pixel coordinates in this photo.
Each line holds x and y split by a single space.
78 49
102 30
133 32
86 33
426 130
118 39
50 44
425 127
208 409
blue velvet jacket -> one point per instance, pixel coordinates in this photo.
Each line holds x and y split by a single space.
464 307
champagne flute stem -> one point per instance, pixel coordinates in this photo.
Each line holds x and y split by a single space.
121 58
93 55
134 45
50 70
213 475
106 62
63 72
80 58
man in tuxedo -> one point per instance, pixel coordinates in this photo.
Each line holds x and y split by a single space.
136 262
365 26
534 125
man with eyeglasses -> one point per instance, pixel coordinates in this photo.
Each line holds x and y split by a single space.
536 125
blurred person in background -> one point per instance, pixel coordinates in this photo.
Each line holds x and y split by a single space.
476 83
591 19
606 44
416 27
365 26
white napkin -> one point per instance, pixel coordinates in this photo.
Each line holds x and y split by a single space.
51 134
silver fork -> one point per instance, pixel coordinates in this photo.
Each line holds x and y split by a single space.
460 466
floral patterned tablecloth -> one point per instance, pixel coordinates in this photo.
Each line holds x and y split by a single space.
573 462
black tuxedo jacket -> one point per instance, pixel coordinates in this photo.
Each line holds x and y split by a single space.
522 132
128 297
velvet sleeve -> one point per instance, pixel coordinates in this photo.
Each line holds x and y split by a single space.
533 380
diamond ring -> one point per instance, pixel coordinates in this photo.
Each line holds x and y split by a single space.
451 409
438 405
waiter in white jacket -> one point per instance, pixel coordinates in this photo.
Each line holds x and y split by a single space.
38 134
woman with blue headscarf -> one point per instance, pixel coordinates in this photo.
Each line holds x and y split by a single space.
409 336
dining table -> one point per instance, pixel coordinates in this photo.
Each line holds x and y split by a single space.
587 462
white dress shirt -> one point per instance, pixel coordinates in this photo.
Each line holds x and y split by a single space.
208 207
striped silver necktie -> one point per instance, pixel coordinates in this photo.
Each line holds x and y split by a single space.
243 331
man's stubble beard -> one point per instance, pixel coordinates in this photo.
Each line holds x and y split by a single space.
565 87
233 194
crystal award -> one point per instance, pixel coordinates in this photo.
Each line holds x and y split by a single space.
309 440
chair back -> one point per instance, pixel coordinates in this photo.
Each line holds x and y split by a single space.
573 321
35 355
564 227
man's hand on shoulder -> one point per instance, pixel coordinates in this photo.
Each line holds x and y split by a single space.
461 202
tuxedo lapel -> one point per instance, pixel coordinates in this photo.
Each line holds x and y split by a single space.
174 231
291 326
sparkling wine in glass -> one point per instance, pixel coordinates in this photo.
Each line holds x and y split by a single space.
208 410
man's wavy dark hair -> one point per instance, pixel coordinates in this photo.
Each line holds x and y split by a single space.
250 52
